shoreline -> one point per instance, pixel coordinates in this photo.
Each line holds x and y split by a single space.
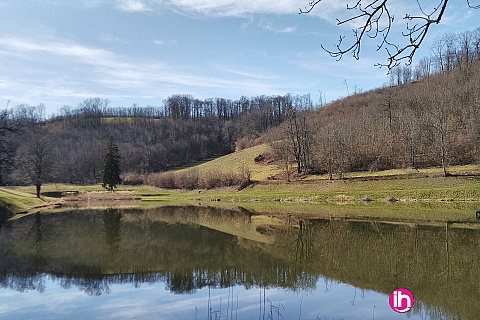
431 198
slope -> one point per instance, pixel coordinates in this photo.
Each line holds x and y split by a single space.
240 161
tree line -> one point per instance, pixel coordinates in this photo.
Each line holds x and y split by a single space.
448 52
69 146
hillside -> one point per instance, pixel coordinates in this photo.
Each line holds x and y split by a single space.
434 121
239 161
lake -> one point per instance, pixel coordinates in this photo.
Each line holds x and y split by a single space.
210 263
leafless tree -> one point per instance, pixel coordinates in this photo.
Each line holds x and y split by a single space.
299 137
423 69
439 115
376 20
35 160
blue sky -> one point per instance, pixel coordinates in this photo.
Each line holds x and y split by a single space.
59 52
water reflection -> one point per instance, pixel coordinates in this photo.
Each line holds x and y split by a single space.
192 249
112 223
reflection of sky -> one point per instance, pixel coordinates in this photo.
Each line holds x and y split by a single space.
329 301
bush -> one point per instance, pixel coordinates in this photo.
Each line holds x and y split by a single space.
212 180
220 179
259 158
162 180
132 179
191 180
187 179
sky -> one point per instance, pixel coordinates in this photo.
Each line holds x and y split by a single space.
60 52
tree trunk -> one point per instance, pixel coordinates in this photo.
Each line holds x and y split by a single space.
38 187
443 155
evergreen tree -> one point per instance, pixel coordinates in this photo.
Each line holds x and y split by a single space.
111 166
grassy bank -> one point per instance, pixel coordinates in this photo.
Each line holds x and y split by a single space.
394 194
422 198
22 200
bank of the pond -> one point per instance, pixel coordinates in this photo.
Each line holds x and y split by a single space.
426 198
14 200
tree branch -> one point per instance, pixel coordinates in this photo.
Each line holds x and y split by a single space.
376 21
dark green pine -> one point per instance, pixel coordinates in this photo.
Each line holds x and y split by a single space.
111 166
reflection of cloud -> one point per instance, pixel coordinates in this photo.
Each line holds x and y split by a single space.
153 301
142 303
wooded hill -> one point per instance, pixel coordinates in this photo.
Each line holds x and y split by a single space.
69 147
433 121
429 116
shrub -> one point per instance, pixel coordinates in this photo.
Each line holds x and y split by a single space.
162 180
191 180
391 199
259 158
132 179
187 179
221 179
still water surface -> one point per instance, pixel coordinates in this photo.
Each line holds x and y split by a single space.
205 263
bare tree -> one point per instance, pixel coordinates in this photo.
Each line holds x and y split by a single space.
396 76
406 74
376 21
299 137
281 148
423 69
35 160
439 115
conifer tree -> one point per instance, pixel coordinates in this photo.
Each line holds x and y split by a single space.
111 166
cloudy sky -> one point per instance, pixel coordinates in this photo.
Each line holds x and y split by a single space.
59 52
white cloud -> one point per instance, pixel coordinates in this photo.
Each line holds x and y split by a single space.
246 7
51 67
91 3
160 42
106 37
239 71
132 6
234 7
327 9
269 26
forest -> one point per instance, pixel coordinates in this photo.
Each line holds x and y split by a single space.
69 147
428 115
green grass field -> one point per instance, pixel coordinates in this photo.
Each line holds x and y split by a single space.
16 199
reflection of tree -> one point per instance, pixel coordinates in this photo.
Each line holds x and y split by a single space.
440 265
112 224
297 248
36 235
304 243
23 282
4 216
184 283
94 285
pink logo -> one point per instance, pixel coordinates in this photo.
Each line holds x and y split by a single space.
401 300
